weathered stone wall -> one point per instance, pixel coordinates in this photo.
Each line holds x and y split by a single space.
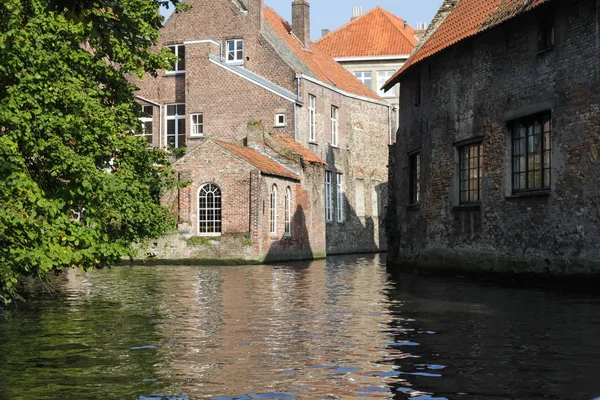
361 154
474 89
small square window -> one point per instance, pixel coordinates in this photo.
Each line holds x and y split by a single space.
280 120
235 51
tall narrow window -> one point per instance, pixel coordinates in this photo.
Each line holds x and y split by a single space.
374 202
340 197
471 166
178 66
382 78
328 197
365 77
360 197
209 210
531 153
197 124
312 123
273 211
415 178
176 125
417 89
546 30
288 212
146 121
235 51
334 126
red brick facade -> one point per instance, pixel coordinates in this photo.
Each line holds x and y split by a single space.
275 77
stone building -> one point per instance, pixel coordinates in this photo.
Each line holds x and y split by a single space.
496 165
373 46
286 151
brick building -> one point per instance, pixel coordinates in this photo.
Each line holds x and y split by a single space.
497 165
373 46
286 151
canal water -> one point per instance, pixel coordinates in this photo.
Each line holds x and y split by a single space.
340 328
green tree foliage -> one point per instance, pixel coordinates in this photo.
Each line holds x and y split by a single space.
76 188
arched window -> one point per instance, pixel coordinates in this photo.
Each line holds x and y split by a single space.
273 211
288 211
209 210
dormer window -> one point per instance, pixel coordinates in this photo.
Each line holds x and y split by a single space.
235 51
179 66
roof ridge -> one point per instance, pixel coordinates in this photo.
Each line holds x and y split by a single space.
387 15
348 23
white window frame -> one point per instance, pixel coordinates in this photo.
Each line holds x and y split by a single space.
334 126
143 121
175 117
312 120
273 210
213 221
288 212
340 197
280 124
195 125
382 78
328 197
235 59
176 71
360 75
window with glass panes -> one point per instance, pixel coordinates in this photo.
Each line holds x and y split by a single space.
471 167
334 126
288 212
415 178
209 210
235 50
146 122
273 211
328 197
382 78
176 125
312 115
531 153
197 124
179 51
365 77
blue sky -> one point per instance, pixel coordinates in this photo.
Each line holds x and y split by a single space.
331 14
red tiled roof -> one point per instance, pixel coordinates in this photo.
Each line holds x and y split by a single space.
306 154
262 162
320 63
376 33
468 18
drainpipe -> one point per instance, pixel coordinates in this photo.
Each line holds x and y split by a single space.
390 107
160 109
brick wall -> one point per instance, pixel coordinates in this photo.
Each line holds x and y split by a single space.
475 89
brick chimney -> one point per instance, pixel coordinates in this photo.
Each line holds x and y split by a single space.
301 21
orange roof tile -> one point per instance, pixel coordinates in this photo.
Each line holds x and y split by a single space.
262 162
320 64
468 18
306 154
376 33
